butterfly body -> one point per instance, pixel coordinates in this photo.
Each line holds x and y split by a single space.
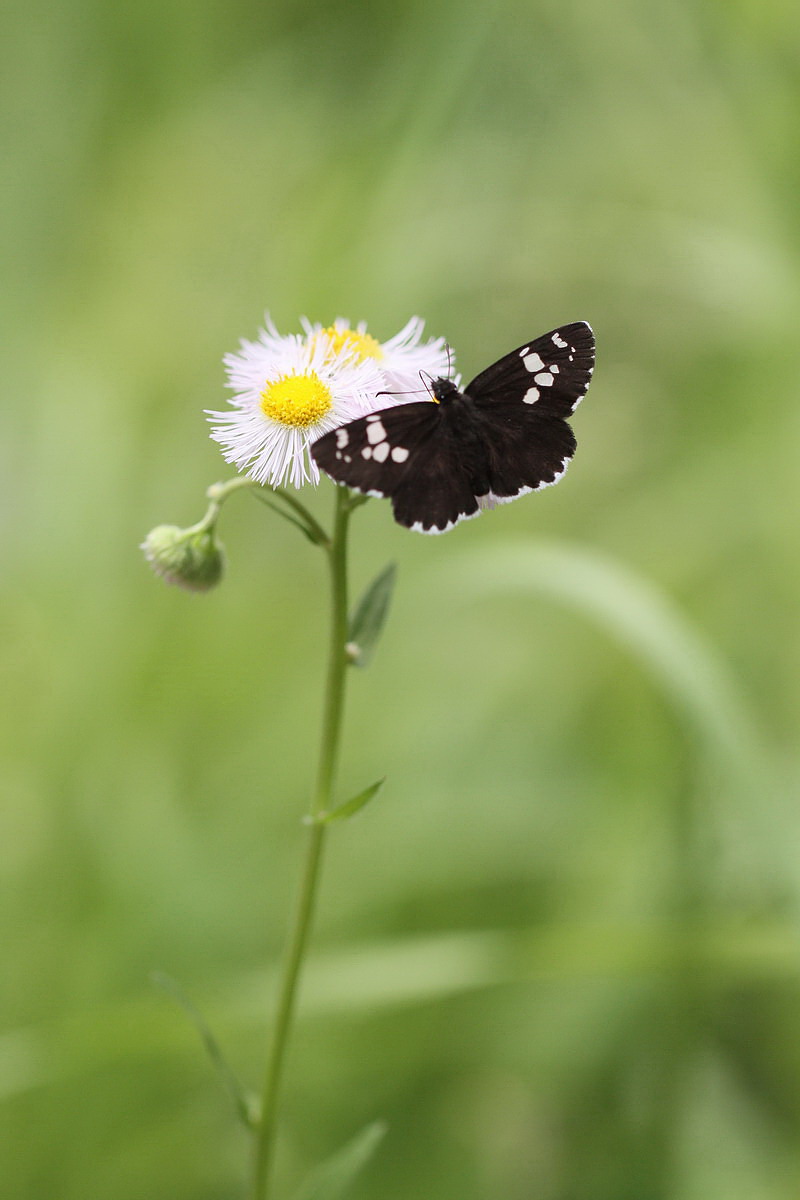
444 459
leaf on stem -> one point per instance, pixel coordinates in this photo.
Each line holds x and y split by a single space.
245 1103
300 524
350 807
332 1180
369 617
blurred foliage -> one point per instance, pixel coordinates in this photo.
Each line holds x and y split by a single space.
559 953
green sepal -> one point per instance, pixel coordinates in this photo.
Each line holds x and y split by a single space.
369 617
245 1103
350 807
332 1180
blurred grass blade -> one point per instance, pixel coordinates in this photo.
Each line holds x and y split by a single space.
332 1180
369 616
393 974
638 616
354 805
245 1104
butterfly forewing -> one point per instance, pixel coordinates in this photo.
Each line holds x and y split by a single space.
406 455
550 374
373 454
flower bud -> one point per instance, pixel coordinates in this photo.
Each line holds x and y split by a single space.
192 558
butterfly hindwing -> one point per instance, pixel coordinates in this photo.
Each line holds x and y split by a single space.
525 452
437 493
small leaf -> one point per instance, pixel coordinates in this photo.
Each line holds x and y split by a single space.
246 1104
369 617
303 526
354 805
332 1180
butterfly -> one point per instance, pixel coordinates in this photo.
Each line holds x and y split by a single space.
445 459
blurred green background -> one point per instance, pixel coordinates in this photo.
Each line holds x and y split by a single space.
560 954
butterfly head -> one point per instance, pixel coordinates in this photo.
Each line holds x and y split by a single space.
444 390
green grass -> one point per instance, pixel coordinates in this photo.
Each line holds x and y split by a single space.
558 953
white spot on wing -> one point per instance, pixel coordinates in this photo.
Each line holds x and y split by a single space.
531 396
381 452
375 431
533 363
559 341
399 454
366 452
341 438
524 351
544 379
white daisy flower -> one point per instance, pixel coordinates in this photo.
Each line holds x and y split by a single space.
288 391
401 359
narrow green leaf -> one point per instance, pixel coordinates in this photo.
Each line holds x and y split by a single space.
315 531
369 617
246 1104
332 1180
354 805
299 524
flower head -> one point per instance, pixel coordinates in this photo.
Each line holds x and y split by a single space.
191 558
288 391
400 359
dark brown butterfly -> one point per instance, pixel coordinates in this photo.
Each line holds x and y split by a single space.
444 459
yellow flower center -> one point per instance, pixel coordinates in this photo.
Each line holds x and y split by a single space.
296 400
360 345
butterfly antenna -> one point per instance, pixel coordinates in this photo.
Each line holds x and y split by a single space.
449 359
413 392
427 381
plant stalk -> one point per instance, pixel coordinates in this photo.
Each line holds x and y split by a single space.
321 802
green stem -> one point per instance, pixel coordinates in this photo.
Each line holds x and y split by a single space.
218 493
337 655
303 916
